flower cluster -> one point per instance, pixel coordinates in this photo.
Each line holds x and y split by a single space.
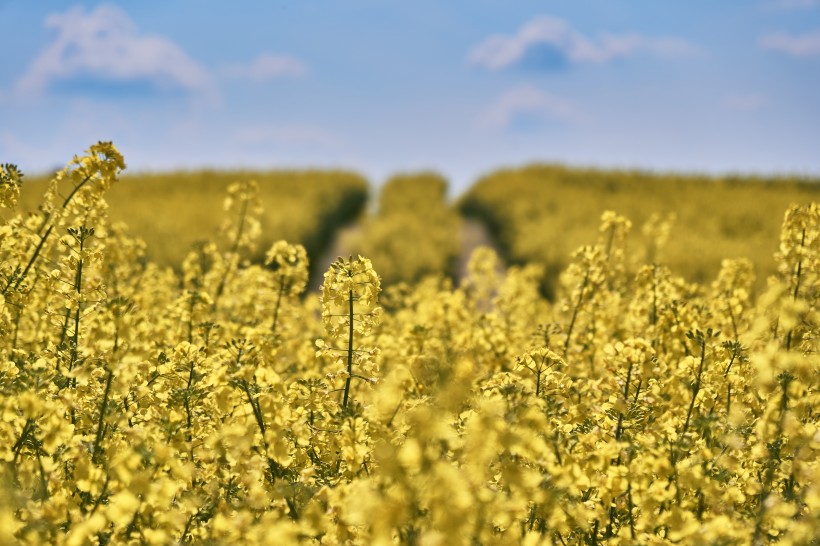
10 181
349 311
144 405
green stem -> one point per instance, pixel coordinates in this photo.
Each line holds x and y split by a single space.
43 480
696 386
276 309
349 353
732 316
631 510
188 413
609 241
96 450
43 239
773 462
75 337
796 288
19 279
619 428
232 254
653 316
575 311
191 317
257 412
18 445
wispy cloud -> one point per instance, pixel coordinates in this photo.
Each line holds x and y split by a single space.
268 66
561 39
104 45
529 102
746 102
804 45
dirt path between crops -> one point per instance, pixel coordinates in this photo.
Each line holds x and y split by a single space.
339 247
473 235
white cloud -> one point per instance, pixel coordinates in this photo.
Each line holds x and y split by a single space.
284 135
105 45
805 45
529 101
268 66
750 102
500 51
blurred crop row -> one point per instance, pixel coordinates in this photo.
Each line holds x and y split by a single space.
176 211
541 213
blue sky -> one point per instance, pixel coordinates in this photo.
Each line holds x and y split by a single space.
380 86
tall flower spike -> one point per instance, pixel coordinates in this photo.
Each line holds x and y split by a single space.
242 228
90 176
350 297
289 264
10 181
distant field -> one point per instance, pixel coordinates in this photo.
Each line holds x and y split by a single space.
172 211
538 213
542 213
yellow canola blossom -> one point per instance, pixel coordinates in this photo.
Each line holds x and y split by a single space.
216 404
